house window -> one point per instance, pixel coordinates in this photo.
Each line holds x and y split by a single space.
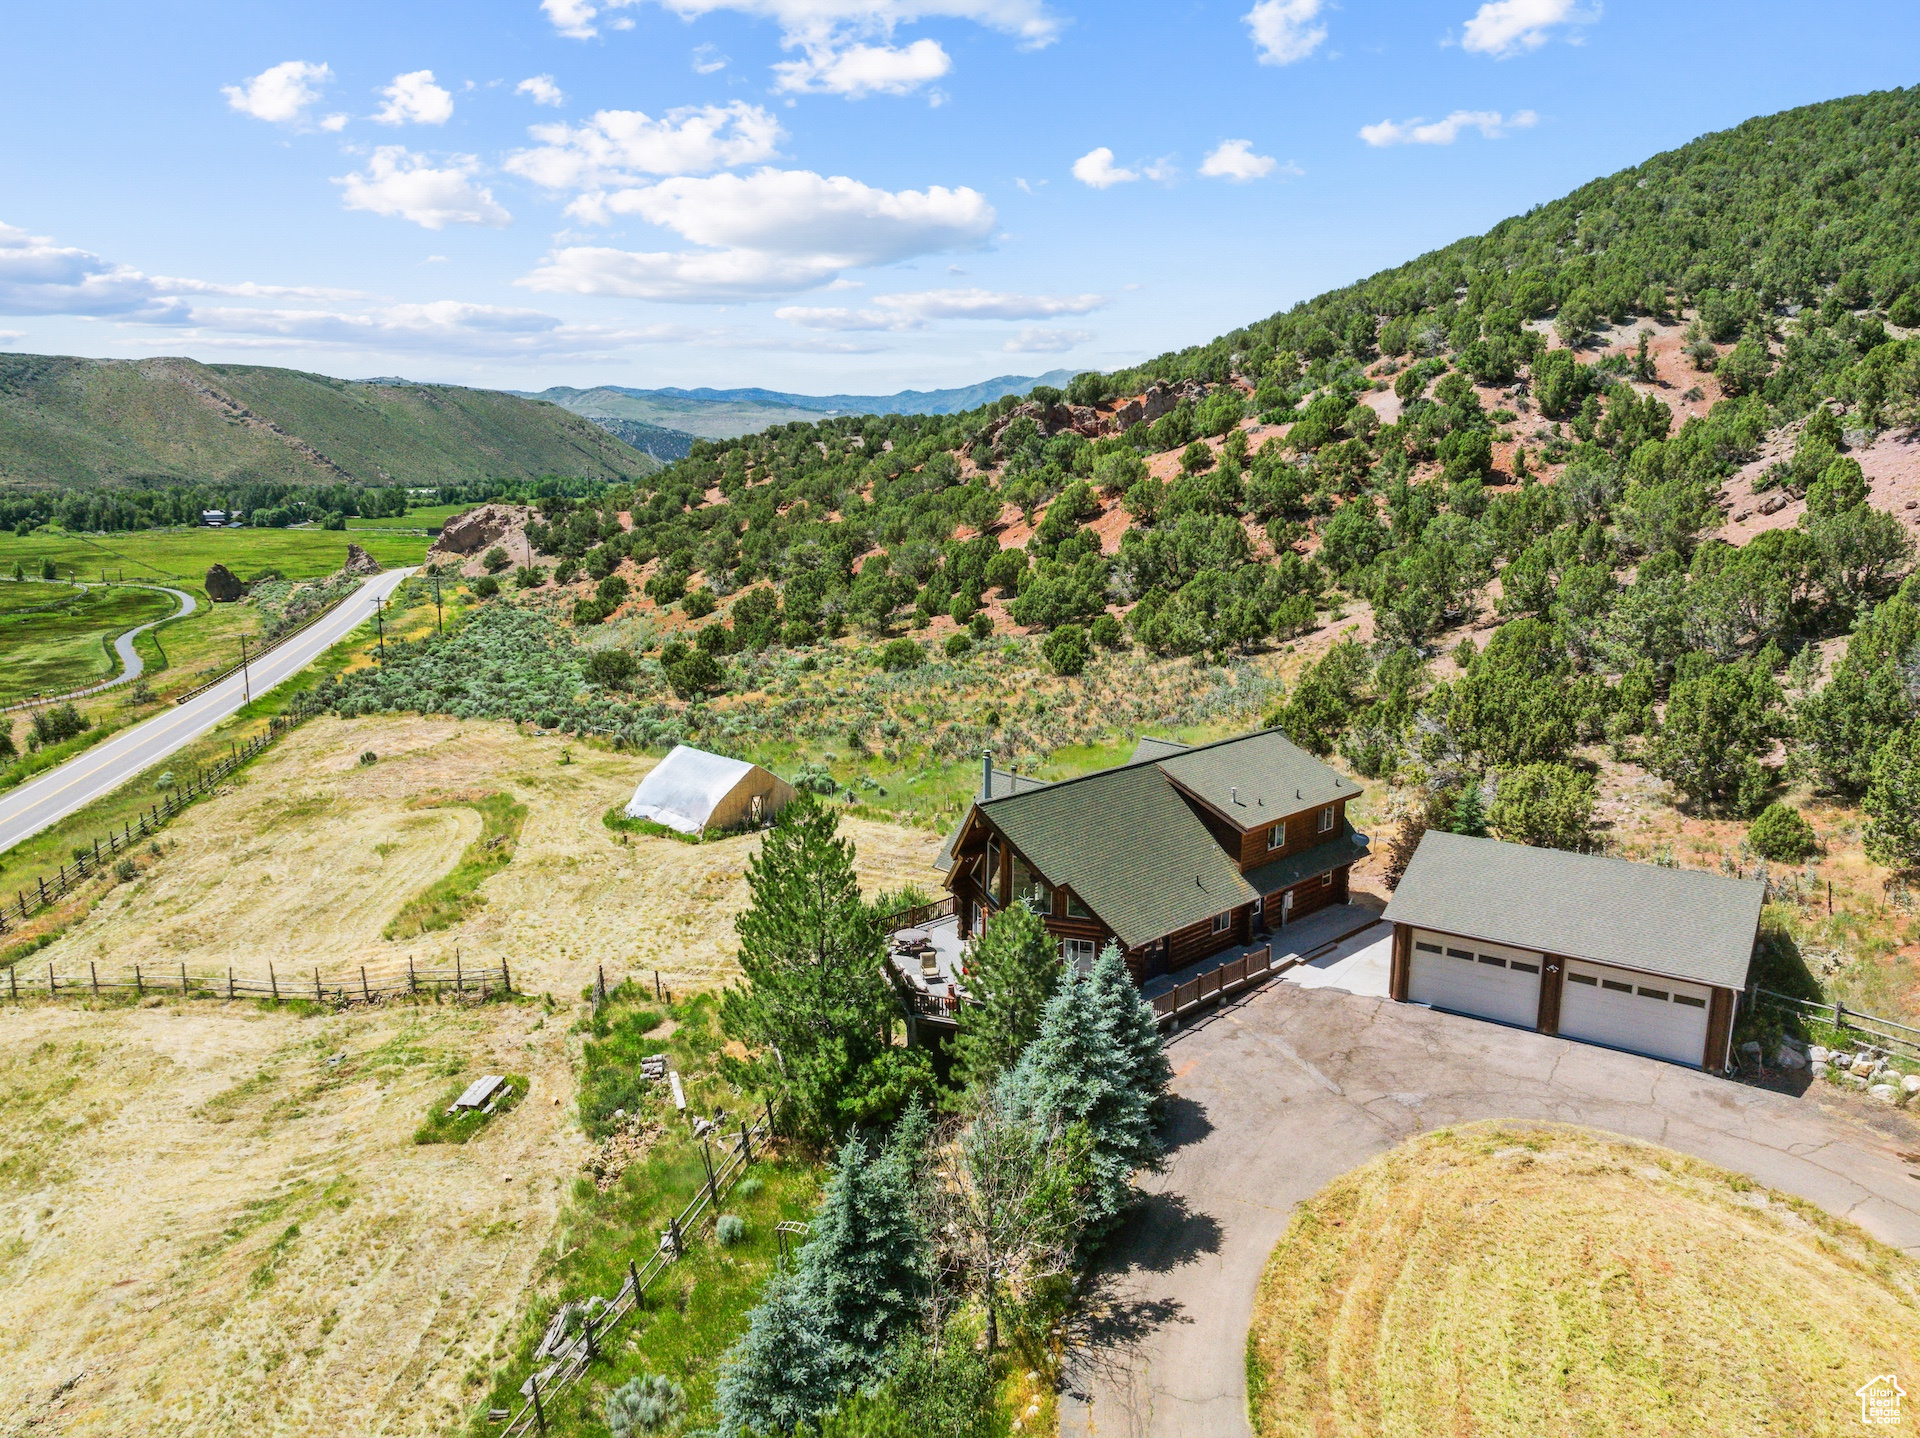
1428 948
1326 880
1076 909
1690 1001
1030 887
1326 820
993 872
1277 836
1078 952
1582 979
1223 922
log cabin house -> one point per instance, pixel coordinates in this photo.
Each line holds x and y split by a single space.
1175 855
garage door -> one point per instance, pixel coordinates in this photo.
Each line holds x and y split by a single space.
1637 1012
1489 981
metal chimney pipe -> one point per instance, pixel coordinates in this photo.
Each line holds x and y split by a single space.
986 773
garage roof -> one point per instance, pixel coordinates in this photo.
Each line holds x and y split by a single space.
1678 922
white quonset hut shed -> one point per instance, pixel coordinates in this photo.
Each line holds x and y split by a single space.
691 791
1631 956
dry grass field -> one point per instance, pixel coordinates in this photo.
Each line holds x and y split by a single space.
1496 1280
219 1229
312 855
209 1227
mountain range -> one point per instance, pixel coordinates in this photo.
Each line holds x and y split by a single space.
729 413
67 420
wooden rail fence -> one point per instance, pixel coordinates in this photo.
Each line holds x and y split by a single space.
269 646
1250 968
1845 1019
571 1361
49 891
361 984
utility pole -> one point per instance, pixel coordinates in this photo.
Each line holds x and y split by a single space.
438 626
379 605
246 679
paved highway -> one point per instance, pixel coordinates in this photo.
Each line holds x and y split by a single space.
27 810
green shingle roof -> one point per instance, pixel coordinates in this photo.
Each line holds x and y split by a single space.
1125 841
1256 779
1679 922
1345 847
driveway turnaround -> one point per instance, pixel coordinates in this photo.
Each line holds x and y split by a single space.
1281 1093
105 767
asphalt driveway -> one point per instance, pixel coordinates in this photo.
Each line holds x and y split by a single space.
1293 1086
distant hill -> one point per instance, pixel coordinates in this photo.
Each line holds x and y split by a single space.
69 420
665 445
730 413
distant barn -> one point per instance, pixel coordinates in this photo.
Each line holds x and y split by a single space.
693 791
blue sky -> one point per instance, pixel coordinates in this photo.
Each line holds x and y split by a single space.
814 195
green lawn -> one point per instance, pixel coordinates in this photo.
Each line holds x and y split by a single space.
69 648
185 554
34 594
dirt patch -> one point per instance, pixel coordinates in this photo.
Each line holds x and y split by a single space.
223 1232
1891 465
307 862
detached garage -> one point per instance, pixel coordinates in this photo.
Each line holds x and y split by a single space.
1632 956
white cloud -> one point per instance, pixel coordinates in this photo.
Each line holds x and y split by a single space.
281 93
1096 168
1505 28
707 60
397 182
616 145
803 21
38 277
1491 124
541 90
1235 160
769 233
859 70
914 311
413 99
1034 340
1285 30
12 339
440 326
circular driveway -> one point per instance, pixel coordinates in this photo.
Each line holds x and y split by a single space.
1280 1093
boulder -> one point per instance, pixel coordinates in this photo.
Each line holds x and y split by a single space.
359 561
1856 1080
1885 1092
222 586
473 531
1787 1057
1773 504
1819 1055
1911 1083
1865 1067
1821 1068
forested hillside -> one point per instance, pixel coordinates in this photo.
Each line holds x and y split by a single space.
67 421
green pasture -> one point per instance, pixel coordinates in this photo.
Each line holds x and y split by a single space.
186 554
34 594
430 516
59 650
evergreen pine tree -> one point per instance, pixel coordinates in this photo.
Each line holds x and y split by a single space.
812 952
1011 974
1468 814
1075 1072
857 1288
778 1376
1136 1036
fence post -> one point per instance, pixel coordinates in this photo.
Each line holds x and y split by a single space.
633 1277
411 986
318 997
52 987
506 978
13 982
459 981
713 1192
229 983
1839 1014
673 1229
183 981
768 1100
93 973
273 982
365 992
539 1413
586 1332
139 984
656 984
746 1141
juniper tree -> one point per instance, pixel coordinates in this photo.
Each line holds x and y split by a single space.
811 951
1011 974
1893 801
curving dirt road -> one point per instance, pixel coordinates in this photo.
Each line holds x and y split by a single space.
1280 1094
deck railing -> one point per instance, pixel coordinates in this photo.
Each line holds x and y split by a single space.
1250 968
